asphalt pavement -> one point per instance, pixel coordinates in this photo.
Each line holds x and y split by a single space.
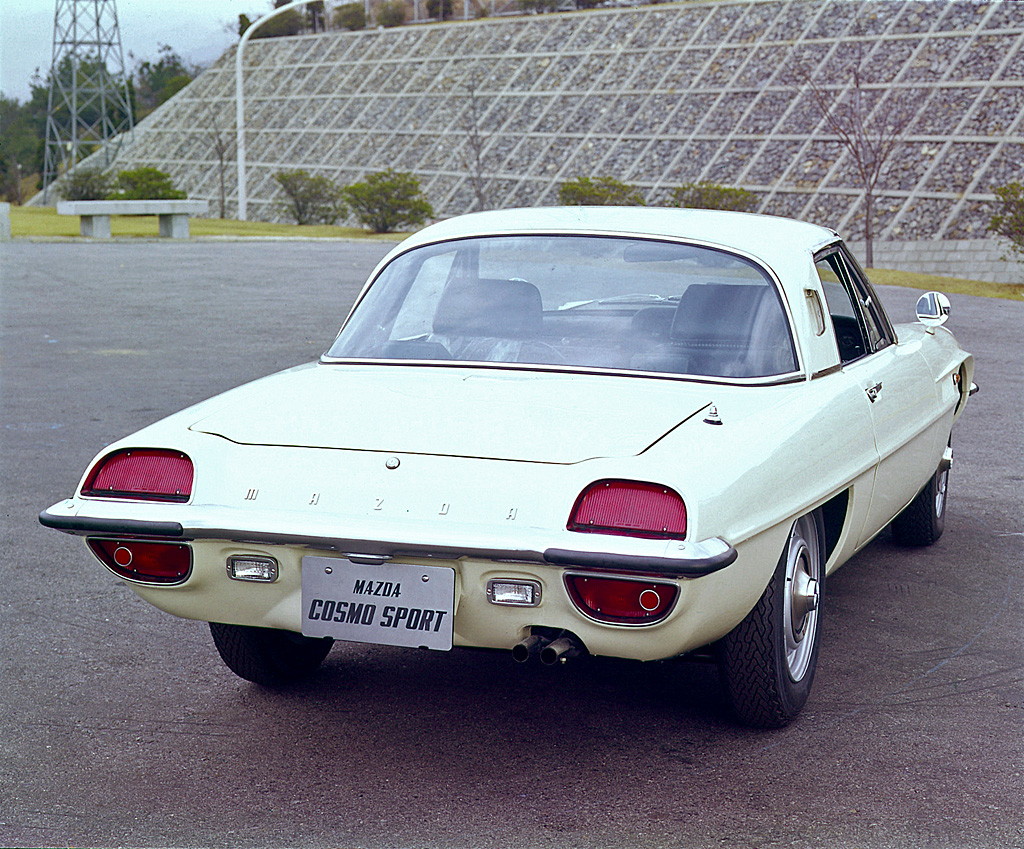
119 725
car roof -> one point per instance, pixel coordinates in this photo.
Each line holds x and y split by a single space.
777 242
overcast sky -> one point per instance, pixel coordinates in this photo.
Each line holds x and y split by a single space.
196 29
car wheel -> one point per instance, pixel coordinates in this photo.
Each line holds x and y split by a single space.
767 662
923 520
268 656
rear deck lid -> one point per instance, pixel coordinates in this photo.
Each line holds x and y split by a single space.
465 412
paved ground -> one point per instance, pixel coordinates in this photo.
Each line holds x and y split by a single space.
120 726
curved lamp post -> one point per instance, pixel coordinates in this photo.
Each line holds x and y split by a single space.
239 101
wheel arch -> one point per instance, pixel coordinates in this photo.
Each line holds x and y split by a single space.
835 515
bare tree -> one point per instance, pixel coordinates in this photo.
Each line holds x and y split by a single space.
869 119
220 147
476 139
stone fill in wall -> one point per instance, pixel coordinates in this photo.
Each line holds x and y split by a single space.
654 96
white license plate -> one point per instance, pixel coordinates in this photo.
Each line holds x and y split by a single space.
390 604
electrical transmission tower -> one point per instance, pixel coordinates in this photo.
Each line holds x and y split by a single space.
89 107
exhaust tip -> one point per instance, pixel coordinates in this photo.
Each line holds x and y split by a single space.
559 650
527 648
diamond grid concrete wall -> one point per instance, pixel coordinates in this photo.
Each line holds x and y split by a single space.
655 96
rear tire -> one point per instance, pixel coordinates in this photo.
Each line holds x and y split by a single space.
268 656
767 662
923 520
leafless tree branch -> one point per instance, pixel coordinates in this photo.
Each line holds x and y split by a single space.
869 121
476 140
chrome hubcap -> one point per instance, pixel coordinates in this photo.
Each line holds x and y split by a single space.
800 605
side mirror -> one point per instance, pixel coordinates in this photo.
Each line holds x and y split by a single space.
932 309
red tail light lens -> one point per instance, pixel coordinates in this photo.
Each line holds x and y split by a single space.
629 508
142 473
621 601
141 560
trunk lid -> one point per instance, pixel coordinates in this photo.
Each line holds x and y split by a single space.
461 412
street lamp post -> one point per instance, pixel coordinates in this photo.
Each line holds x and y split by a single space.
239 98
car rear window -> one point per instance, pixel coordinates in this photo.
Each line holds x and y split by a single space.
578 301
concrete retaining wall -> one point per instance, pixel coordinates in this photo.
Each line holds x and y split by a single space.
500 112
971 259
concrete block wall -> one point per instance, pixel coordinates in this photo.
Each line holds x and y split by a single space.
969 259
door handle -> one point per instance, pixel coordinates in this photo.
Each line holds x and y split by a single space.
873 392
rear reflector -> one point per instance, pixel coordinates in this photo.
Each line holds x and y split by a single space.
629 508
141 473
621 601
141 560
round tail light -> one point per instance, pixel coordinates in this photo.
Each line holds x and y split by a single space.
144 561
621 601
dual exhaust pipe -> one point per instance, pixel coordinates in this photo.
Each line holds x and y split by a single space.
552 650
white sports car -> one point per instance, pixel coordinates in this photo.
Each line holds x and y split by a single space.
626 432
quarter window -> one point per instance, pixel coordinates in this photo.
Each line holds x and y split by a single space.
861 326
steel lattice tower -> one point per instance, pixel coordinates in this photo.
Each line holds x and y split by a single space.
89 107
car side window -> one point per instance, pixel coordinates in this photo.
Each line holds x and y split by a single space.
851 338
876 320
858 320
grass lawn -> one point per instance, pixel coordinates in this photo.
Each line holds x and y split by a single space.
42 222
949 285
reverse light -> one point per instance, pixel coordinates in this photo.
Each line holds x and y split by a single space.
629 508
621 601
146 474
514 593
245 567
144 561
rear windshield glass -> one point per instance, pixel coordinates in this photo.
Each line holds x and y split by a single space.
580 301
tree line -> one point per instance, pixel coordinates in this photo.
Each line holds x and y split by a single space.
23 125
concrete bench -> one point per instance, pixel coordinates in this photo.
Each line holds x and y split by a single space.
95 214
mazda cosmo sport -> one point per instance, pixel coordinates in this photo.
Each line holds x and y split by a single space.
636 433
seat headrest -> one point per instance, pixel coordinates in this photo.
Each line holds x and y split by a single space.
508 309
717 311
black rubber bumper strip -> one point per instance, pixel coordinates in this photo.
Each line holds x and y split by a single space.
110 527
669 567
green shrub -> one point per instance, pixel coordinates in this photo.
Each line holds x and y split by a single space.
705 195
391 14
311 200
388 200
86 184
1008 220
440 9
289 23
351 16
145 184
600 191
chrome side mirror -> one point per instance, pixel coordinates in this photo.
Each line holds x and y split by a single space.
932 309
